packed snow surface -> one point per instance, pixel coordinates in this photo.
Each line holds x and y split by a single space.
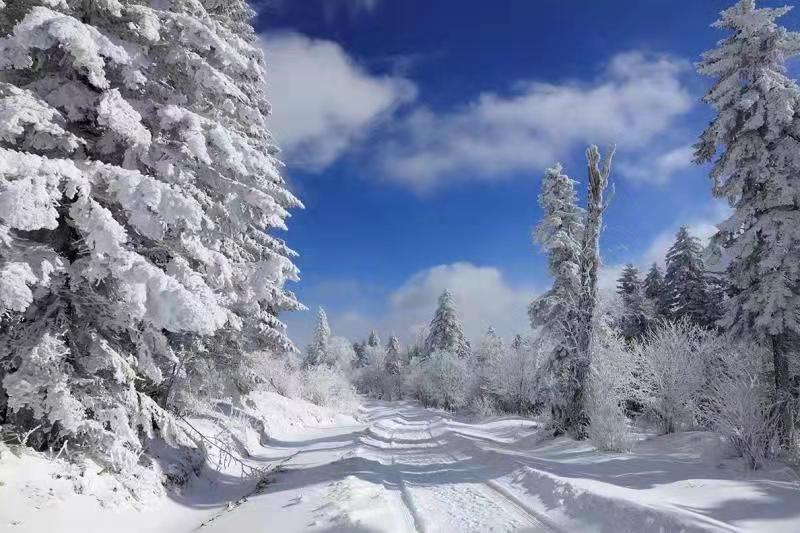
398 467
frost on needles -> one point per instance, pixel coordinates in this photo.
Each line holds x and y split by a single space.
138 182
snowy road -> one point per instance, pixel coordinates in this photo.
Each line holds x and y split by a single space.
405 469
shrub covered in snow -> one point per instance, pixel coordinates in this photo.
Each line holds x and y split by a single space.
514 374
371 377
447 380
610 385
281 374
670 363
326 387
737 402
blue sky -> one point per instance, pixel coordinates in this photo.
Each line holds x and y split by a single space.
416 132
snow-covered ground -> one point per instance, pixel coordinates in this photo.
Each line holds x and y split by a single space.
399 467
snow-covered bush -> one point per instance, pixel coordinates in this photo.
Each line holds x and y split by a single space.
448 379
670 363
340 354
418 383
370 379
281 374
610 385
326 387
484 360
737 402
483 406
514 374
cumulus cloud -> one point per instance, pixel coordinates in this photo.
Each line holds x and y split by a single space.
636 98
323 101
657 169
483 297
482 294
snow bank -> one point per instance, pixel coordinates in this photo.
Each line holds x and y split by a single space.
682 482
38 490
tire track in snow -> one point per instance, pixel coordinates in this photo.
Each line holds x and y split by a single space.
506 497
405 497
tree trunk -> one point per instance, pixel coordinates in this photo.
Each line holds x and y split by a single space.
577 420
783 391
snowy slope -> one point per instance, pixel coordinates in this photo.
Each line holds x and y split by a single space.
37 493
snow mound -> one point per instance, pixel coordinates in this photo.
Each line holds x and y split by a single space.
355 505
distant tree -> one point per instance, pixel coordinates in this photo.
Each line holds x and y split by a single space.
488 347
488 352
340 354
655 290
373 339
360 349
446 333
317 350
753 141
394 361
416 350
686 280
629 287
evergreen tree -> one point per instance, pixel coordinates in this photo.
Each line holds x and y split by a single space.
753 141
566 311
373 339
686 280
655 290
559 234
138 180
360 349
446 333
629 287
318 349
417 348
489 348
393 361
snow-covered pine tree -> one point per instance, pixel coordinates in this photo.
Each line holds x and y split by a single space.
393 360
686 280
655 290
446 333
416 350
136 181
317 350
488 354
629 287
361 355
488 348
373 339
560 234
755 140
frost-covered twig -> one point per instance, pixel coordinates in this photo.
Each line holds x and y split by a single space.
247 471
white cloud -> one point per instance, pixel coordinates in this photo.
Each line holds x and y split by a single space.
323 101
658 169
482 295
637 98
